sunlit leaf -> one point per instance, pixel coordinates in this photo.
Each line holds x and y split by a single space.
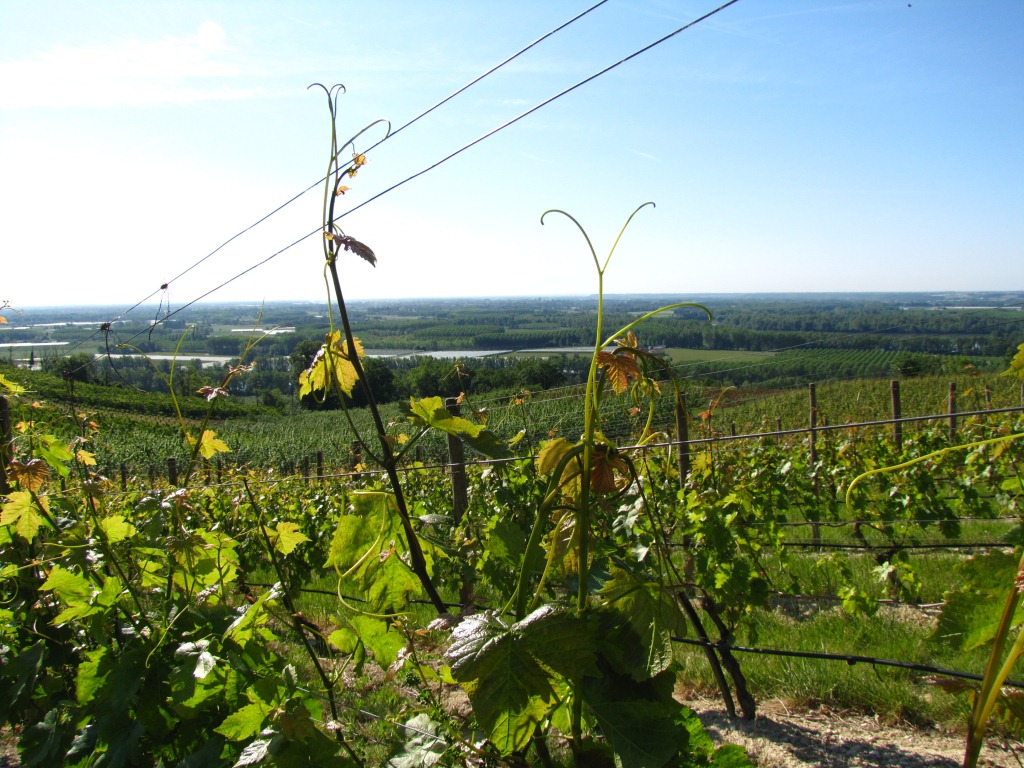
86 458
431 412
331 365
210 445
10 386
1017 364
32 475
551 454
20 512
286 537
619 370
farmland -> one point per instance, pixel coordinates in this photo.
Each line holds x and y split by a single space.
280 595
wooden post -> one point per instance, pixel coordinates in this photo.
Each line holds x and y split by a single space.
305 469
172 471
320 466
220 469
778 423
952 411
124 477
732 428
357 454
6 436
897 413
683 436
457 461
988 398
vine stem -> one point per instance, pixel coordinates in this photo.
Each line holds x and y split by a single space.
293 615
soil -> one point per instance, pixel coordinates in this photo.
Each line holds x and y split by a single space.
780 738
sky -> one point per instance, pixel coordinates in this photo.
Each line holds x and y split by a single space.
788 146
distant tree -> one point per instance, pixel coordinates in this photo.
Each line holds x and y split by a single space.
77 367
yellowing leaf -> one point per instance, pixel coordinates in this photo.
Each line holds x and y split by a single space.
551 453
619 369
3 320
10 386
332 365
31 475
210 445
88 459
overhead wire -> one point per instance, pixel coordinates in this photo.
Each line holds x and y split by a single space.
458 152
320 181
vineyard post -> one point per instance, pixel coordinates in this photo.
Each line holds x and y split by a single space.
124 476
152 476
320 465
457 461
683 436
172 471
897 414
305 469
219 470
952 411
732 428
778 423
988 398
5 444
812 432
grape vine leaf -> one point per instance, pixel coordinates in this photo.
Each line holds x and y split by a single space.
511 671
431 412
369 550
209 444
637 719
638 620
20 512
423 747
1017 364
286 537
332 363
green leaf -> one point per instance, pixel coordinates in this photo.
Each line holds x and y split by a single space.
641 721
20 512
638 721
369 550
971 615
116 528
244 723
382 641
10 386
431 412
510 672
637 623
92 673
286 537
253 753
423 747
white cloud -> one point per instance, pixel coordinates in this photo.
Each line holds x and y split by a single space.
170 70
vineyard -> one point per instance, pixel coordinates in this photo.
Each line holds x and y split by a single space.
325 604
536 579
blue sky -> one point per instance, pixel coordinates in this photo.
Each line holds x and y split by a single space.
789 145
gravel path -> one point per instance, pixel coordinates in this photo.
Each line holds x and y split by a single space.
779 738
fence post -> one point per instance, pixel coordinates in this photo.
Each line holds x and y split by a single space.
457 461
897 414
357 454
320 465
683 436
220 469
952 411
124 477
172 471
6 436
